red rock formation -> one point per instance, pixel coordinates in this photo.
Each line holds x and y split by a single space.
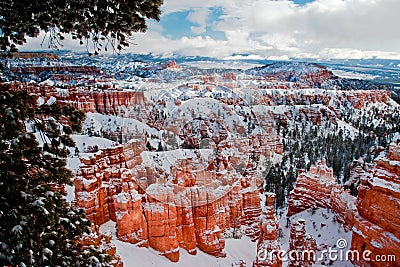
183 173
185 227
312 189
208 233
377 222
190 211
302 247
101 176
170 65
331 99
132 225
343 205
104 102
28 55
35 70
318 188
251 210
268 246
161 216
87 99
229 76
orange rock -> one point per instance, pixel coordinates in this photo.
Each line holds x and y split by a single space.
377 224
190 211
268 245
300 242
318 188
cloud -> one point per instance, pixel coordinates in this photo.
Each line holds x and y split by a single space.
281 28
198 16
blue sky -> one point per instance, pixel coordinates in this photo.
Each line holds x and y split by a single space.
177 24
302 2
270 29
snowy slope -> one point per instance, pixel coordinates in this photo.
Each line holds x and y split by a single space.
237 249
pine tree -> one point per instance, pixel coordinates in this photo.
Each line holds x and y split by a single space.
38 227
98 24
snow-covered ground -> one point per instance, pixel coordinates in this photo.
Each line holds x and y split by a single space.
326 232
166 159
323 227
132 255
354 75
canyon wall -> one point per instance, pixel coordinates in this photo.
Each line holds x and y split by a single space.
302 246
377 221
268 245
317 188
191 208
371 216
87 99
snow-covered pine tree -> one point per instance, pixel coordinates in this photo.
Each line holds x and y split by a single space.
37 225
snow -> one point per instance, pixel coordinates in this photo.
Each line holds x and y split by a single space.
132 255
111 122
166 159
385 184
326 232
73 163
354 75
82 142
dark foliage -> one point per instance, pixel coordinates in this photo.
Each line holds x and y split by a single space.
96 23
38 227
306 143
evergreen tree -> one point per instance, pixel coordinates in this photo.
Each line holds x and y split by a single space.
103 23
38 227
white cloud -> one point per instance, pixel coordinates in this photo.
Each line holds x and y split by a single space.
270 28
198 16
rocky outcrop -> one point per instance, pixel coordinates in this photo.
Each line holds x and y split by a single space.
377 222
190 208
29 55
105 102
302 246
342 204
36 70
161 217
251 211
102 176
318 189
87 99
268 246
371 217
132 225
332 99
312 189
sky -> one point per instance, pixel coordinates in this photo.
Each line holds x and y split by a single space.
269 29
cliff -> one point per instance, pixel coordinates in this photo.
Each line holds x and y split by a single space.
88 99
317 188
377 222
190 209
304 245
29 55
267 242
